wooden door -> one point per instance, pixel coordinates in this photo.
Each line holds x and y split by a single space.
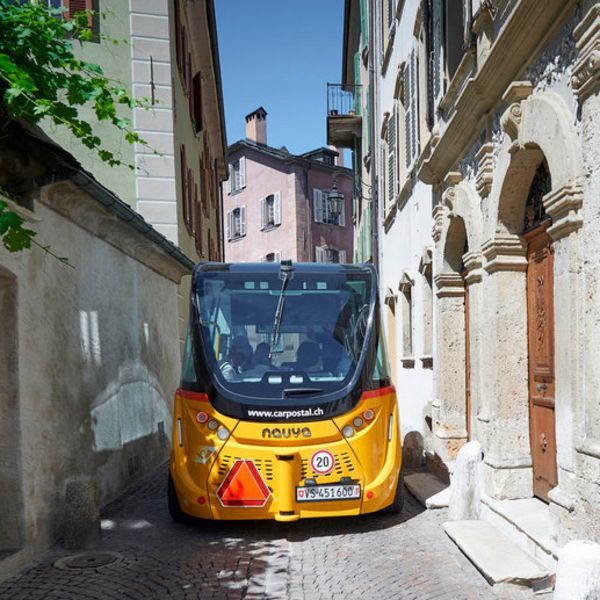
467 362
540 319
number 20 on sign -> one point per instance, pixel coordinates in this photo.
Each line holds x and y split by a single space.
322 462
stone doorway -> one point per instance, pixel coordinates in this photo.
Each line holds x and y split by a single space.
11 496
540 335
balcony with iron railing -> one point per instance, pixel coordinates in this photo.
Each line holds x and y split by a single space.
344 123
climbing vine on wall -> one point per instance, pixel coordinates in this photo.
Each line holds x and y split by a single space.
41 77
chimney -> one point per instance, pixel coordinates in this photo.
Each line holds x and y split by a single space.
256 126
339 159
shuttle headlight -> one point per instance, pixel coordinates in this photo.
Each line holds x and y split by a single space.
347 431
223 433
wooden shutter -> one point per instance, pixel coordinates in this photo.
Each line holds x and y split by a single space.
183 177
437 25
325 205
214 183
407 114
206 190
368 116
77 6
364 23
177 19
228 225
197 220
263 213
277 256
242 220
390 10
342 220
318 205
391 157
197 102
242 172
189 201
342 256
357 82
185 56
229 170
277 208
414 98
319 254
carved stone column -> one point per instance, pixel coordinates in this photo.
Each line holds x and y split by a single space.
504 412
564 206
473 262
448 408
586 83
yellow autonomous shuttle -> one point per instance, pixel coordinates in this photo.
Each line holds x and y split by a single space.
285 409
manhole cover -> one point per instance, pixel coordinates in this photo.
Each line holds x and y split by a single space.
88 560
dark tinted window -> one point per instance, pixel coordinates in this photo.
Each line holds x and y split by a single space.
265 339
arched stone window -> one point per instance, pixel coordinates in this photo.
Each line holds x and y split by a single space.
541 184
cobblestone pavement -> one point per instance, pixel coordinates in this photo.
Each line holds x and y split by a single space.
406 557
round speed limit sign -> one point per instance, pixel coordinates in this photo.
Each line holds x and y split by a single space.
322 462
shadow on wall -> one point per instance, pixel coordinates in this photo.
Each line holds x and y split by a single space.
413 450
131 425
11 491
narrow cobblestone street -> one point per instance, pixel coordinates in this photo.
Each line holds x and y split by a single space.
406 557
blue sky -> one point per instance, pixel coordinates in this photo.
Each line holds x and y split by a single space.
280 54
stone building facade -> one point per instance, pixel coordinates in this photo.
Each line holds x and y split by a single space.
278 205
507 155
514 168
86 377
199 137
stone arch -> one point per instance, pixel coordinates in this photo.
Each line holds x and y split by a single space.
11 495
460 203
458 268
538 128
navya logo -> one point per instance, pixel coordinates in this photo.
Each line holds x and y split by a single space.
287 432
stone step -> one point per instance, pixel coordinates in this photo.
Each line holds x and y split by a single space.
499 559
428 489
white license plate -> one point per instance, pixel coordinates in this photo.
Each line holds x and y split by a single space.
318 493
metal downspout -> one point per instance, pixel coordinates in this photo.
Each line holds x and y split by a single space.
372 141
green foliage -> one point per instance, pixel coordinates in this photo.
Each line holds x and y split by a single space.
41 78
14 236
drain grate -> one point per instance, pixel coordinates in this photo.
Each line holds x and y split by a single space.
88 560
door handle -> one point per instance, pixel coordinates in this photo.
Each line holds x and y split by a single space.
542 386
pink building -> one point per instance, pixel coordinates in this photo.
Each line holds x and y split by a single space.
278 205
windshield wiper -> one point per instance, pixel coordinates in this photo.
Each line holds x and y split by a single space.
286 275
300 391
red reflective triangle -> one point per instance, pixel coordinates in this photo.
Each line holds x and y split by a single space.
243 486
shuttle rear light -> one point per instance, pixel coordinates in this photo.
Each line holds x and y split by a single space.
368 415
201 417
189 395
213 424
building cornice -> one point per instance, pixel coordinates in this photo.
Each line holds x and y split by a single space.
586 71
276 154
514 48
